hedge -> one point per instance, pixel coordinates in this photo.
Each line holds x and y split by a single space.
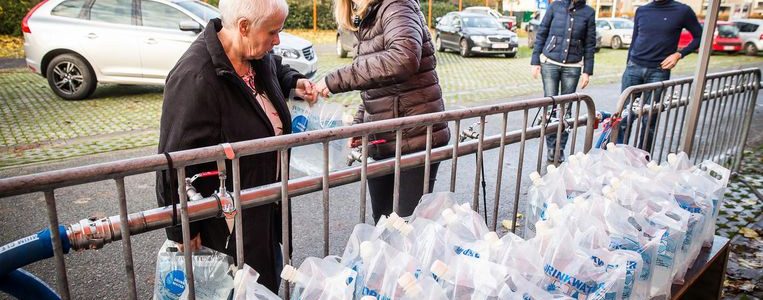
11 14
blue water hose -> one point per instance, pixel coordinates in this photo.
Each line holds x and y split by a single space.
23 285
30 249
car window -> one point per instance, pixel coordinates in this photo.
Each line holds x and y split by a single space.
481 22
728 31
202 10
160 15
70 9
112 11
445 21
601 24
622 24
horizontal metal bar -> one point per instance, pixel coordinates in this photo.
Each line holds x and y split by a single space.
112 170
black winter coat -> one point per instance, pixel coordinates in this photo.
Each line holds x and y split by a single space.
567 34
206 103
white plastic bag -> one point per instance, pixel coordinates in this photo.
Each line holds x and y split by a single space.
211 273
247 287
381 266
321 115
421 288
321 279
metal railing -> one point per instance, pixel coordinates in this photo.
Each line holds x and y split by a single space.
653 116
95 233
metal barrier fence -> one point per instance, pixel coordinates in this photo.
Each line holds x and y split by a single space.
95 233
654 116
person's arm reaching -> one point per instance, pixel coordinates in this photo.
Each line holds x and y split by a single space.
396 63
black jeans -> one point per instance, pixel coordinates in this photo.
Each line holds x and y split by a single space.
411 190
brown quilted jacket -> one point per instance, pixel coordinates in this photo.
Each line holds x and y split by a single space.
395 72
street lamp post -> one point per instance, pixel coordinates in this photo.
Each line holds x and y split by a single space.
315 15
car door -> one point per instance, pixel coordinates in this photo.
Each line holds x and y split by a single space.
110 41
606 32
162 43
444 29
454 28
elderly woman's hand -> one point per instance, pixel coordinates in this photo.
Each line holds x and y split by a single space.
306 90
322 89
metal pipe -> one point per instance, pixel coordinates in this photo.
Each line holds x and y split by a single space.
61 279
186 231
520 164
499 172
363 179
478 164
238 219
428 160
325 188
126 241
701 74
454 162
396 187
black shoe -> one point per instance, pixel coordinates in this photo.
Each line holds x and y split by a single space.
550 155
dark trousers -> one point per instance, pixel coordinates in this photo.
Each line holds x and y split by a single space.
555 79
635 75
411 190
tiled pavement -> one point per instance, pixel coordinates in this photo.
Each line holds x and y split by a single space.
36 126
741 220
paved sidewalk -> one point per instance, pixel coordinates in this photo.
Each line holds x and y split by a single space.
741 220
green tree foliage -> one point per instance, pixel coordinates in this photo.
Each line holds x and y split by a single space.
11 14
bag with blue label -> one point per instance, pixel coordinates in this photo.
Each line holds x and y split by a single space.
470 278
320 115
212 275
380 267
421 288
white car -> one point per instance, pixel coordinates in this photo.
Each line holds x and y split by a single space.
506 21
615 32
76 44
751 33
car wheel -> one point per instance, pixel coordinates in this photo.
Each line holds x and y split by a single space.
510 55
616 42
339 49
751 49
465 52
70 77
438 44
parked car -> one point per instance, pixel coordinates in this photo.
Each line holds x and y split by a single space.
472 34
726 38
751 33
506 21
76 44
616 33
598 40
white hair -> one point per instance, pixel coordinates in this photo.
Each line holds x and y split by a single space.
255 11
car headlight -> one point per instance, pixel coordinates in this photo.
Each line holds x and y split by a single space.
514 39
477 38
286 52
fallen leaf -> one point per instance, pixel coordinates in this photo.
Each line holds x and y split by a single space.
747 286
749 233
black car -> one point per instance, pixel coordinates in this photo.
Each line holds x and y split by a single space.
474 34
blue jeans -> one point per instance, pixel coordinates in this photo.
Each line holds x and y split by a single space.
555 79
635 75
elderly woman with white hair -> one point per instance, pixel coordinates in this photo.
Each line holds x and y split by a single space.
226 88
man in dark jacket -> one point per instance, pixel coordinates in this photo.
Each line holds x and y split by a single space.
652 54
226 88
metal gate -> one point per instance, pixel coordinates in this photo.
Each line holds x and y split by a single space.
96 233
654 116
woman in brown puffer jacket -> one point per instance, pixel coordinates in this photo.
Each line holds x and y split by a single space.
395 71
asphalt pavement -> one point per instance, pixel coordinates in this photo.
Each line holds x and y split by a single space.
99 274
